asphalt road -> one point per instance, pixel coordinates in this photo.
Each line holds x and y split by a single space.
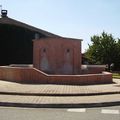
107 113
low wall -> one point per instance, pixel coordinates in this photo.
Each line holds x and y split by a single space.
87 79
32 75
22 74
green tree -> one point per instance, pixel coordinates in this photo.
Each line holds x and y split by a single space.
103 49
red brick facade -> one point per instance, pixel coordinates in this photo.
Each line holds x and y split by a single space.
57 55
32 75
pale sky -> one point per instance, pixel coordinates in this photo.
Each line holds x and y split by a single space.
69 18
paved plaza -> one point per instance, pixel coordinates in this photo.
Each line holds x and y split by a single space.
48 95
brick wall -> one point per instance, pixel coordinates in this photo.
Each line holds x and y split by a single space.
57 55
32 75
22 74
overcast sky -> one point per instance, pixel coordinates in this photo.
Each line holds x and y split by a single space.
69 18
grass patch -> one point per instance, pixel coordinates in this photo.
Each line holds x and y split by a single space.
116 75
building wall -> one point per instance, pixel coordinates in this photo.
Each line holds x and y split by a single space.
57 55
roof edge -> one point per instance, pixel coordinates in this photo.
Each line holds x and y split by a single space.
10 21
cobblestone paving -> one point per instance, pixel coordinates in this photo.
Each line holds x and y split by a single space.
59 89
45 94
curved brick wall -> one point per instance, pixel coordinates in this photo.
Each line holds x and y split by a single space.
32 75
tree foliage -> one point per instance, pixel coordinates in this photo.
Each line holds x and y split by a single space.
105 49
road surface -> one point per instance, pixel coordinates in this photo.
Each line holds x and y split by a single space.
15 113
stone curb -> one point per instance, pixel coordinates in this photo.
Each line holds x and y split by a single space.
59 94
76 105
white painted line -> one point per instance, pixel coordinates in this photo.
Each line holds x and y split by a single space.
108 111
76 110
